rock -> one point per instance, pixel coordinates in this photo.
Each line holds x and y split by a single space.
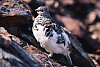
28 56
90 18
71 24
95 29
96 57
5 40
14 13
67 2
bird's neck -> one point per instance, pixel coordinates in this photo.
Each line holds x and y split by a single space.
44 19
44 14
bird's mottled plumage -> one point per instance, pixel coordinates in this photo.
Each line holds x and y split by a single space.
51 36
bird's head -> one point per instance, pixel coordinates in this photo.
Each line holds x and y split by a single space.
42 10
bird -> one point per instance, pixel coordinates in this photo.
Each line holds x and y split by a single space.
53 38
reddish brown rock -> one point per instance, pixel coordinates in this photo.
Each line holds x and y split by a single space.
14 13
67 2
71 24
90 18
5 40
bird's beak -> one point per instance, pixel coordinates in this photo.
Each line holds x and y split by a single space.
36 9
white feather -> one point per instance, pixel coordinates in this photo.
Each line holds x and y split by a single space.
50 43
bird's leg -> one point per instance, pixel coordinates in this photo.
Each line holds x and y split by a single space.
50 55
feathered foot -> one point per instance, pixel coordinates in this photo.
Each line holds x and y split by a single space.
49 55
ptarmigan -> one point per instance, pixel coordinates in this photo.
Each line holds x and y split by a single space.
53 37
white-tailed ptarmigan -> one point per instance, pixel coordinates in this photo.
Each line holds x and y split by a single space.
51 36
54 39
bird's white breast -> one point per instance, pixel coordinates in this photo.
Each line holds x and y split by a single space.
50 43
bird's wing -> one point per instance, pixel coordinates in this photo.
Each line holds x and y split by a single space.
54 27
61 41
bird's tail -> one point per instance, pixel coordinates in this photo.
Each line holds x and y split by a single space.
69 60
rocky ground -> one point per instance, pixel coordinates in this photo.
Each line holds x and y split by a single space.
18 46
